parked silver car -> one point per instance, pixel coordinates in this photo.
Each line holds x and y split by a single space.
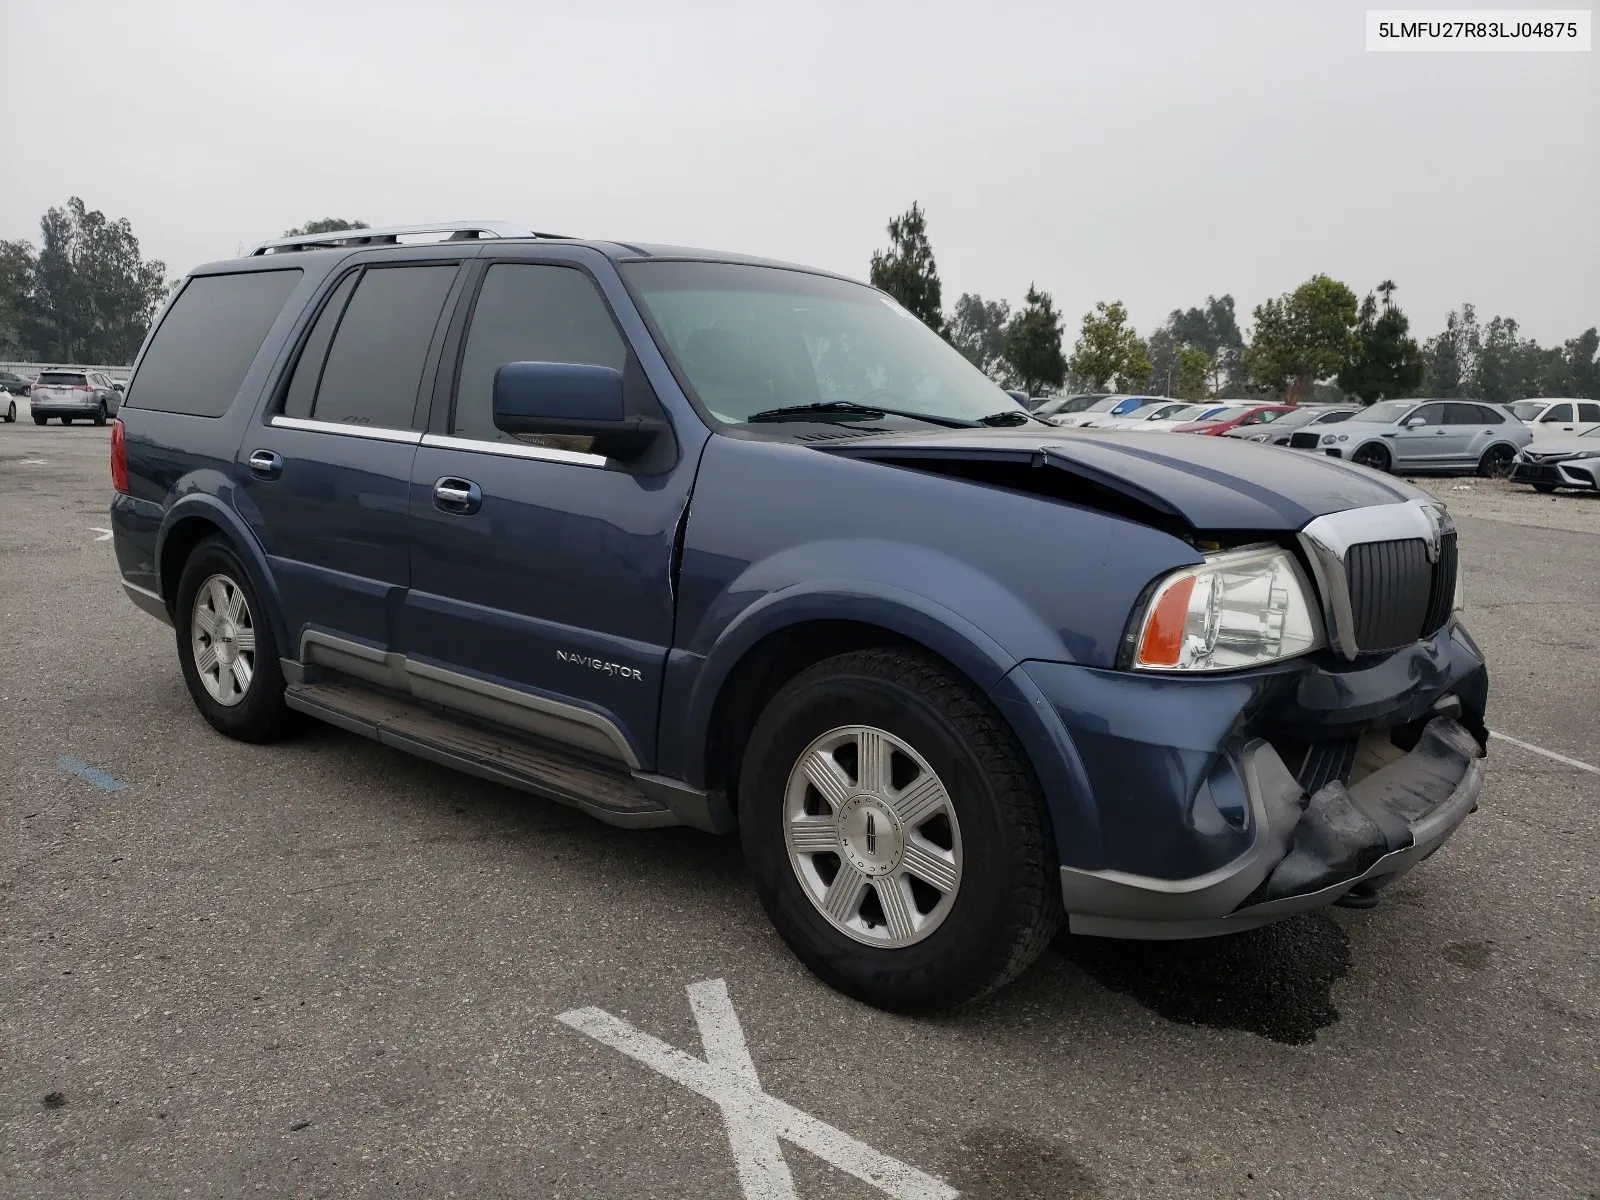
1281 430
1565 461
73 394
1424 435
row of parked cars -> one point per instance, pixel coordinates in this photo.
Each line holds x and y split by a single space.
1549 443
69 394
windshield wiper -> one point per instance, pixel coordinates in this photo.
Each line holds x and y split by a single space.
851 408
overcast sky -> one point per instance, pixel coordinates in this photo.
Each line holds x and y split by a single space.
1152 152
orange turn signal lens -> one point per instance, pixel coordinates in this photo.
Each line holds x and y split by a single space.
1163 629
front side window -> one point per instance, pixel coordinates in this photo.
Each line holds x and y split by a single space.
752 339
207 341
1557 412
1428 414
530 312
374 367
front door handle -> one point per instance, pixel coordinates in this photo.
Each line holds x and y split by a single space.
453 495
266 464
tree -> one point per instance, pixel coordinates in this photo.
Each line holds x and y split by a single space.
1033 344
16 281
1581 361
1214 330
1450 358
1304 336
93 296
1194 372
1109 350
326 225
978 330
906 270
1388 362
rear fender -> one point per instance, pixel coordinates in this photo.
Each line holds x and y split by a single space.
203 505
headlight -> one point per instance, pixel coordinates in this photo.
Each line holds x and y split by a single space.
1328 439
1259 437
1240 608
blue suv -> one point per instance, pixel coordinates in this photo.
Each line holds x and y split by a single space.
679 537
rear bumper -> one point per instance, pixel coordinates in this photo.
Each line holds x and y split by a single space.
1309 850
64 408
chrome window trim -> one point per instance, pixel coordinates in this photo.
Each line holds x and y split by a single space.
1328 539
409 436
442 441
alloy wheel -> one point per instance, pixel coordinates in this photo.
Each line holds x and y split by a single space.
223 637
872 836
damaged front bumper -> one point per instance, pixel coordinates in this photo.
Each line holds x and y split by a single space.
1192 807
1309 851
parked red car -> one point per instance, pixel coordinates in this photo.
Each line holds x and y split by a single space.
1255 414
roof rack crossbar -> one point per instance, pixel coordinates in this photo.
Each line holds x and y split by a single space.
391 235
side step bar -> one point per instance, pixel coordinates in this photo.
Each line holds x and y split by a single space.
611 796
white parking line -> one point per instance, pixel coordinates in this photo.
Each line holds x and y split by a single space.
1560 758
755 1121
105 534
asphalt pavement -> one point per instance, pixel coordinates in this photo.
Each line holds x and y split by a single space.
326 968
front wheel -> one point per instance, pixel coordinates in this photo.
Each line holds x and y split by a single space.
897 833
1496 462
100 414
1372 455
66 420
38 420
11 412
226 648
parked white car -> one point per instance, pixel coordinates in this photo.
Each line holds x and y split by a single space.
1188 414
1140 416
1568 460
1557 417
1111 406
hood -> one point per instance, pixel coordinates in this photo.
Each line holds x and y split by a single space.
1208 483
1564 443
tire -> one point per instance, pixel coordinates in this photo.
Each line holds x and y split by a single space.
11 412
1375 456
1544 487
1496 462
100 416
66 420
957 944
254 712
38 420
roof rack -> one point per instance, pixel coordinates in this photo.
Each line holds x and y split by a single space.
457 231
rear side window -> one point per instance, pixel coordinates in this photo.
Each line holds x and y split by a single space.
529 312
308 372
1589 412
374 366
1490 416
208 340
1463 414
61 379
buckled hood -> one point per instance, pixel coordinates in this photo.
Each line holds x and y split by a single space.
1208 483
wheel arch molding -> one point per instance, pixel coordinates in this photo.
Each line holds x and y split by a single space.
189 521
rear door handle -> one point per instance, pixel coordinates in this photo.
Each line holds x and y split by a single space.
453 495
266 464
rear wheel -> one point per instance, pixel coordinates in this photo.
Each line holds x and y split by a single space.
897 833
226 648
1372 455
38 420
1496 462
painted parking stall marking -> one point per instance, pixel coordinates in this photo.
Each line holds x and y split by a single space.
756 1122
105 534
103 780
1560 758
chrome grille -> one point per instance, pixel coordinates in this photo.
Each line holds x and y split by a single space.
1396 595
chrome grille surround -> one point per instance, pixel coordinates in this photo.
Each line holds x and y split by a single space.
1328 539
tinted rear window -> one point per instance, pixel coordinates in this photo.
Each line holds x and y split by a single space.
61 379
208 340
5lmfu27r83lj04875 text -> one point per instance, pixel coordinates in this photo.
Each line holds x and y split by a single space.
681 537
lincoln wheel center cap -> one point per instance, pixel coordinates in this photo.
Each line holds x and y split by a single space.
227 640
870 835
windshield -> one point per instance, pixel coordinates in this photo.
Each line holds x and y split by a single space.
1387 412
1526 410
754 339
1147 411
1300 416
1219 414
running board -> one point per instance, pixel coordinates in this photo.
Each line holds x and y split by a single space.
608 795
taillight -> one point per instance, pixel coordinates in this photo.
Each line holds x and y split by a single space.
119 458
82 387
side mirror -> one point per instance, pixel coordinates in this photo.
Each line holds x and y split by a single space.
1413 422
577 399
121 387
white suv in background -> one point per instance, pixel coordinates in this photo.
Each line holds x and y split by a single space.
1557 417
